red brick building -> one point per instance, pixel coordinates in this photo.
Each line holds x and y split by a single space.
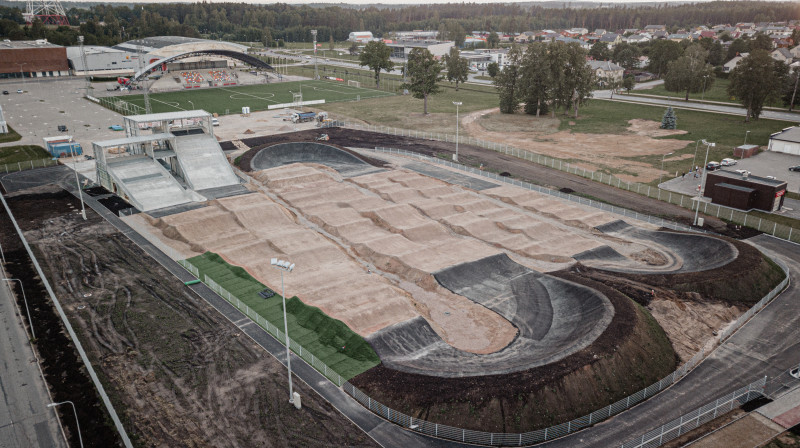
32 59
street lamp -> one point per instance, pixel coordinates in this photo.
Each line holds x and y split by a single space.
78 184
705 77
695 155
21 75
287 267
455 156
700 191
52 405
662 166
24 299
745 137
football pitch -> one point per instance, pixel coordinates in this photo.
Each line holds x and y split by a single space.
224 100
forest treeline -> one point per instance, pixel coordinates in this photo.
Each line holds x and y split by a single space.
107 24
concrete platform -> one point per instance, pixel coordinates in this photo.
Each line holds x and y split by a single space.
147 185
203 163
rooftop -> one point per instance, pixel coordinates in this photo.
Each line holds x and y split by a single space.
752 179
156 42
184 114
787 135
27 44
131 140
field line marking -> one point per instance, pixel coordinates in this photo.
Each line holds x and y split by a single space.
168 104
250 94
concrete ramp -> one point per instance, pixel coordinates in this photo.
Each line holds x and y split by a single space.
555 319
202 162
147 185
281 154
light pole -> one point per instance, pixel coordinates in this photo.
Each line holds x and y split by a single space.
316 73
75 411
22 75
190 102
287 267
662 166
24 299
745 137
709 145
78 184
705 77
455 156
695 154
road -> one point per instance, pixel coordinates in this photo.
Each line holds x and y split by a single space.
25 420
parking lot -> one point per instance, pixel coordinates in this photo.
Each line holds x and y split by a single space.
46 104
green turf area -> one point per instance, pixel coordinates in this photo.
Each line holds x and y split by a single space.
257 97
22 153
716 92
10 136
330 340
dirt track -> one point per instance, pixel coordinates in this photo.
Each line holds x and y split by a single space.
178 373
493 161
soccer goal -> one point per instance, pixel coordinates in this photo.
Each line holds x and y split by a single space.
352 83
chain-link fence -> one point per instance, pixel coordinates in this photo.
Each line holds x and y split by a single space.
699 416
28 165
733 215
120 106
277 333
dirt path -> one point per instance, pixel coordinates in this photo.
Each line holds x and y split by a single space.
179 373
494 161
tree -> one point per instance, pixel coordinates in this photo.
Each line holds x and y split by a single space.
628 83
626 56
376 56
508 81
755 80
761 41
662 52
353 49
536 79
737 47
579 78
716 54
456 66
331 43
492 69
689 73
600 51
493 40
669 120
424 71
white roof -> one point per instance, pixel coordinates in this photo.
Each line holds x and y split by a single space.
132 140
183 114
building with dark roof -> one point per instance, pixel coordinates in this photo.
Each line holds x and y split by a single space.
744 191
32 59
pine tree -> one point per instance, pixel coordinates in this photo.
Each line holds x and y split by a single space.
670 121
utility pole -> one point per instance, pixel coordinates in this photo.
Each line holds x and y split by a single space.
794 93
85 64
316 73
140 57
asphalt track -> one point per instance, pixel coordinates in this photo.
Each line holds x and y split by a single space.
281 154
554 318
685 252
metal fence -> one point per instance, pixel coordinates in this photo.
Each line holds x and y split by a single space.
699 416
121 106
29 165
544 190
307 356
736 216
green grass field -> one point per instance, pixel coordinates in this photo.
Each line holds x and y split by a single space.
10 136
330 340
718 91
257 97
22 153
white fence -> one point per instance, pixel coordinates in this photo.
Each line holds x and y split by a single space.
736 216
699 416
29 165
307 356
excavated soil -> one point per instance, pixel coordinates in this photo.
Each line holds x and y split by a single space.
178 372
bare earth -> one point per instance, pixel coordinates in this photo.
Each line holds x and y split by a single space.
595 151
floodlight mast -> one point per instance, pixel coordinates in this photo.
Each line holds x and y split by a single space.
288 267
701 189
316 73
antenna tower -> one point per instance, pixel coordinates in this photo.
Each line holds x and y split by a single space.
50 12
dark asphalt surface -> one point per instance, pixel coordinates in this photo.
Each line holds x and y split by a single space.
281 154
768 345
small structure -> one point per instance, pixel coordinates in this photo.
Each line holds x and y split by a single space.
786 141
361 37
745 192
745 151
3 124
62 145
401 49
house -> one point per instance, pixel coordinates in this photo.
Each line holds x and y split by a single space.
654 28
786 141
611 39
782 54
606 71
730 65
795 52
578 31
660 35
679 37
637 38
708 34
600 32
628 31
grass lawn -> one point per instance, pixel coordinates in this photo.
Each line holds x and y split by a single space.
10 136
718 91
330 340
22 153
258 97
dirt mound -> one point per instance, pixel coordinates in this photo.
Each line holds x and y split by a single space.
651 128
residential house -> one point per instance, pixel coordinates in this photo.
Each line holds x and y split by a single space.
578 31
730 65
782 54
629 31
795 52
606 71
708 34
638 38
660 35
600 32
679 37
654 28
611 39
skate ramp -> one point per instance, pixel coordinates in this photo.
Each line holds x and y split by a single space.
685 252
147 185
281 154
203 163
554 318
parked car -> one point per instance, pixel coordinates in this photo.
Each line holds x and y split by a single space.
712 166
19 90
728 162
214 122
5 92
794 168
62 128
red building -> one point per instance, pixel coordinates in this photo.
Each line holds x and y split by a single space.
32 59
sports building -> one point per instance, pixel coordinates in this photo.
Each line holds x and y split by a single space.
32 59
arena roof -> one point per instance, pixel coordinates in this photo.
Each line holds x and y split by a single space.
149 44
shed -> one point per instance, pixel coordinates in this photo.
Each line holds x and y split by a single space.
745 192
745 151
786 141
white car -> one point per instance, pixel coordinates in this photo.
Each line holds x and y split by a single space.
742 172
728 162
214 122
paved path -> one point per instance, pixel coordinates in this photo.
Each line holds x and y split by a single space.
25 420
